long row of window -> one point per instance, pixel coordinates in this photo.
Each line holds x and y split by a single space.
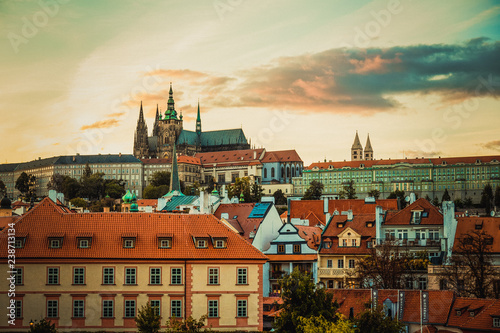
130 275
130 308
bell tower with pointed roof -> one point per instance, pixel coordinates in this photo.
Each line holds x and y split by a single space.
356 149
368 149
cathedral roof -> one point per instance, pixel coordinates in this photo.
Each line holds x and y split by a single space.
213 138
357 143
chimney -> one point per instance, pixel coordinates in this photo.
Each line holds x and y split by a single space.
60 196
349 215
254 155
378 223
53 195
288 210
162 202
412 198
325 210
449 225
202 201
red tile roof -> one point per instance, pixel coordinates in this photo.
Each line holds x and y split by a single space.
18 203
147 202
181 159
490 225
6 220
482 319
281 156
232 157
417 161
302 208
292 257
311 234
108 229
238 218
403 217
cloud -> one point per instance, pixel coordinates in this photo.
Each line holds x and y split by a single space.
421 153
101 124
115 114
361 81
492 145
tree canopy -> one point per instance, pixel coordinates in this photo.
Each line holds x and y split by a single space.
279 198
470 271
348 192
314 191
148 319
301 298
26 184
376 321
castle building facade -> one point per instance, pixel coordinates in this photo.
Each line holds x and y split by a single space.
168 130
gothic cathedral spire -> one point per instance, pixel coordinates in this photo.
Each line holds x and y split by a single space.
175 184
156 126
198 120
141 147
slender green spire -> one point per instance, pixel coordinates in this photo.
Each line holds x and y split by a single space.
175 184
198 120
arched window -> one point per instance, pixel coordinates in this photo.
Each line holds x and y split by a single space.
265 173
282 172
293 171
288 171
272 172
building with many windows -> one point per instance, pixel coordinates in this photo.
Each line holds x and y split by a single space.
463 177
93 271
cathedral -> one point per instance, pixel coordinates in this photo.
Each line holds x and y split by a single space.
168 131
357 153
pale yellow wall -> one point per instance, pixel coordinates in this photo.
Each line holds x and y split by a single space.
35 288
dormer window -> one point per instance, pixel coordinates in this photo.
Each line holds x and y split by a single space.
281 248
327 245
344 242
340 224
459 313
19 243
164 241
496 321
55 243
416 217
84 243
129 240
219 243
201 243
129 243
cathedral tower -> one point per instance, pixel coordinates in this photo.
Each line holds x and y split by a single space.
356 149
368 149
141 147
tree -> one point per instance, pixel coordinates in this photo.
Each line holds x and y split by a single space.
279 198
23 183
321 325
114 188
93 187
148 319
470 271
56 182
87 172
192 189
376 321
467 202
160 178
78 202
400 195
314 191
446 196
71 187
241 185
389 266
458 203
256 192
189 325
487 198
43 326
301 298
348 192
154 192
435 202
497 196
374 193
3 189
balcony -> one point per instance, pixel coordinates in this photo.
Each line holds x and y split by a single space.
276 275
324 272
414 242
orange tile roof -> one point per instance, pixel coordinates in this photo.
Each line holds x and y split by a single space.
6 220
18 203
232 157
417 161
302 208
482 319
108 229
403 217
181 159
281 156
490 225
147 202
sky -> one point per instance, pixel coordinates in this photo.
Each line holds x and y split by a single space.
422 78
